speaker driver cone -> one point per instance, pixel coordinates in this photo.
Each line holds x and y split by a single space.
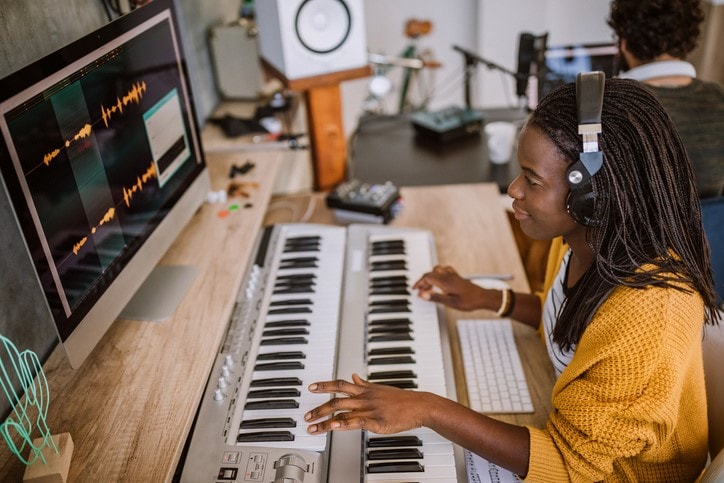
322 26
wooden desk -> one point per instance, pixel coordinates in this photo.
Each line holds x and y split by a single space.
473 235
130 407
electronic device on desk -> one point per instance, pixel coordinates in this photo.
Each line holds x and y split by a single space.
449 124
102 167
357 202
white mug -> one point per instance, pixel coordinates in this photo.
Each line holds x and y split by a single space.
501 139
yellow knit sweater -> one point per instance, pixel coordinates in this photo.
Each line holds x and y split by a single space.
631 406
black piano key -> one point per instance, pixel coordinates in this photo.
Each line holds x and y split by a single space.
398 467
384 351
402 374
291 265
277 303
284 331
383 245
382 279
273 393
288 323
403 329
304 282
387 266
274 356
299 259
284 341
290 310
392 322
391 301
389 309
298 244
263 436
400 384
392 281
293 290
393 441
276 381
268 423
272 404
390 291
391 360
302 241
279 366
390 337
394 454
296 277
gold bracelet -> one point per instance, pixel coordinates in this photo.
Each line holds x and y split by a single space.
511 304
504 304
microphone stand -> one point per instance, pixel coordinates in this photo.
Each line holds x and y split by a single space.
471 61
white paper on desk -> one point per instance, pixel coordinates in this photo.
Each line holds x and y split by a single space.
481 470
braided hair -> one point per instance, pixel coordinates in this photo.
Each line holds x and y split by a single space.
647 198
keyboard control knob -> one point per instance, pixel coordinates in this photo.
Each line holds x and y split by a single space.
222 383
225 372
218 395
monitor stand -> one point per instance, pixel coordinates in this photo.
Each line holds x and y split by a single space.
160 294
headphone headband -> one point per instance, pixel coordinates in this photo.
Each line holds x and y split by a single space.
589 105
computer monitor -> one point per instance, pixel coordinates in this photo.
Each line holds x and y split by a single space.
101 161
563 62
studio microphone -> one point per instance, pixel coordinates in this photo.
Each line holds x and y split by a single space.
526 56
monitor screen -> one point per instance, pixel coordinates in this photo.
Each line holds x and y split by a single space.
562 63
102 164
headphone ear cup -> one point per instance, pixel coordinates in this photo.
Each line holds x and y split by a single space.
581 204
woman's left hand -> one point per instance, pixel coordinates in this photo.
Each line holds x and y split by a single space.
375 407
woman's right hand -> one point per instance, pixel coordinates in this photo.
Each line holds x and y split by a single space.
444 285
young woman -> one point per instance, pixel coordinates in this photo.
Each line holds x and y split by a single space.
625 302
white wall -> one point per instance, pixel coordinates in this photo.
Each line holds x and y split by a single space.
489 28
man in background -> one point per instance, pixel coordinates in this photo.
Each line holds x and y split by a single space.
654 39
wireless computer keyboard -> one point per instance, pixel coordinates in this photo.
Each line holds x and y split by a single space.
493 371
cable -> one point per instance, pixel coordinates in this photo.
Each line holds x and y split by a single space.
310 209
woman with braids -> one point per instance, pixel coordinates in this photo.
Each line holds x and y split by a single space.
622 313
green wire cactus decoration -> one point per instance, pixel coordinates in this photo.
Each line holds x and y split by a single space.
28 415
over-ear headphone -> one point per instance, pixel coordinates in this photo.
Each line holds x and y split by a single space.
582 198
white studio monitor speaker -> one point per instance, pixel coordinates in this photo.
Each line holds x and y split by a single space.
306 38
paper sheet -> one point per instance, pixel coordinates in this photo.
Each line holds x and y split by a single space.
481 470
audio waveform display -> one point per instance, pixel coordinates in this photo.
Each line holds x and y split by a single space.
83 133
140 181
128 193
135 94
108 216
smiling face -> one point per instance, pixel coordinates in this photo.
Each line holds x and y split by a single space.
539 192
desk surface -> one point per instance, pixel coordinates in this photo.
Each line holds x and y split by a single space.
130 407
386 148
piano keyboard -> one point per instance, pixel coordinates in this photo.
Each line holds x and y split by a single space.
321 302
